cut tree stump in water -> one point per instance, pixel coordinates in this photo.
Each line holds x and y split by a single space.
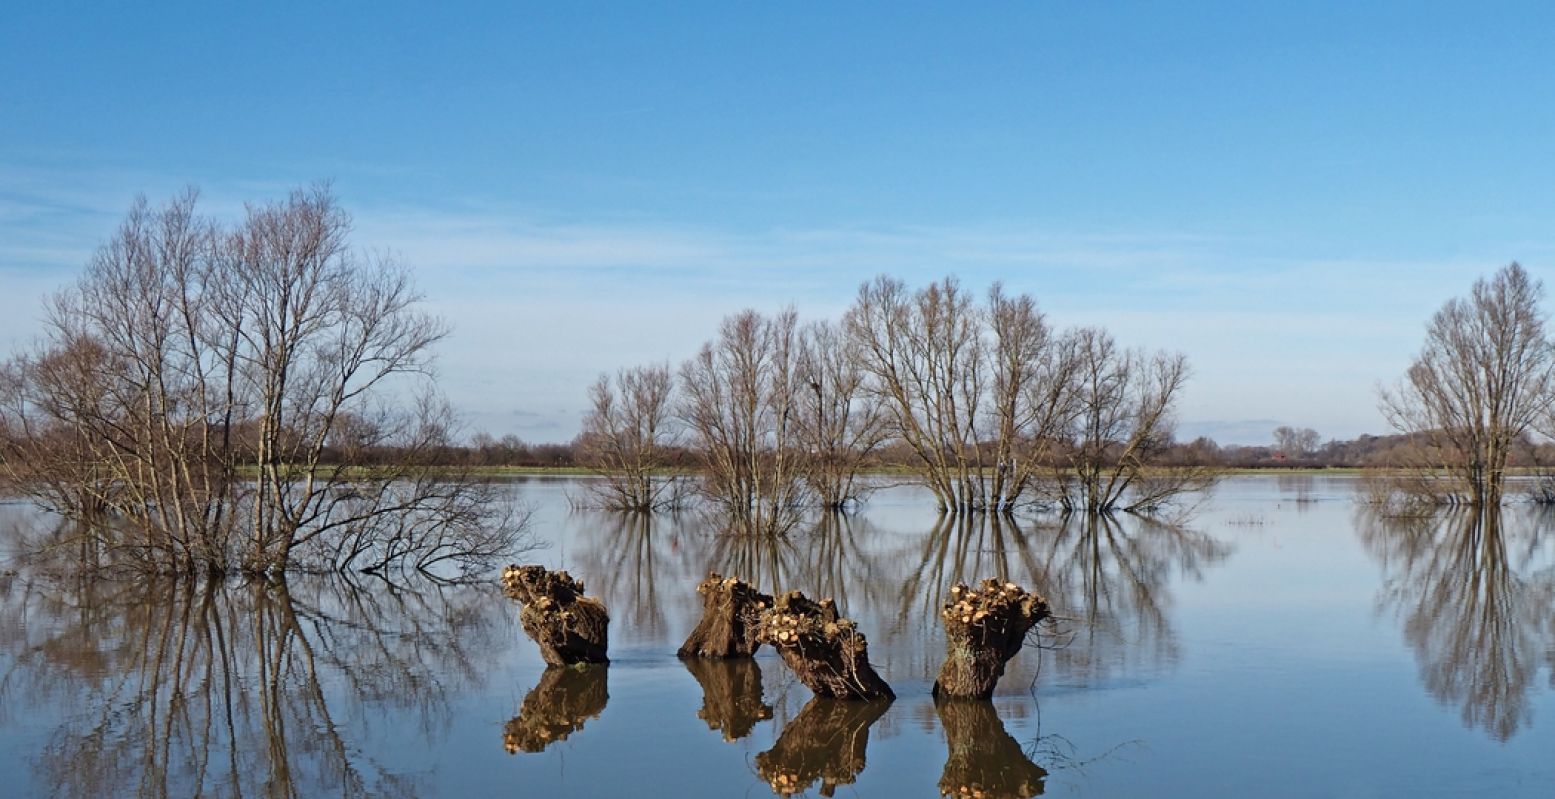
826 652
731 612
984 762
731 695
559 704
569 627
826 741
984 628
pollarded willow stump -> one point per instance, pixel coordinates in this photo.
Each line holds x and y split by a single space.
984 762
984 627
732 703
569 627
826 741
558 706
826 652
731 612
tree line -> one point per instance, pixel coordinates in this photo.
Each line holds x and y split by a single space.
979 398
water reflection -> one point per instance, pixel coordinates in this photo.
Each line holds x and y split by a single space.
558 706
173 690
984 761
1108 577
732 701
1475 592
825 742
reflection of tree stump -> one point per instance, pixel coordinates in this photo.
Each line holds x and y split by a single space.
826 741
984 628
827 653
569 627
984 761
731 695
557 707
731 612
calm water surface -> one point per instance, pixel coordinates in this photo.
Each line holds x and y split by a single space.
1283 642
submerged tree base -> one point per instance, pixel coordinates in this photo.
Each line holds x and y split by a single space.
569 627
984 628
731 615
826 652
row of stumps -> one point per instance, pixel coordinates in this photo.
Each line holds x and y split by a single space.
985 627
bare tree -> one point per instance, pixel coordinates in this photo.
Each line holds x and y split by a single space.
1485 378
207 378
1295 442
1124 423
627 437
738 402
976 393
839 426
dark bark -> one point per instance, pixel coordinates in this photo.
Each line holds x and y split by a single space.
569 627
826 741
826 652
984 628
731 695
731 612
984 761
557 707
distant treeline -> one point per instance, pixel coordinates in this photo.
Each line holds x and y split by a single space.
1365 451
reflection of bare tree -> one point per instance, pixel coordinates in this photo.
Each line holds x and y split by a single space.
626 560
558 706
826 741
829 559
983 760
240 690
1475 604
1109 576
731 694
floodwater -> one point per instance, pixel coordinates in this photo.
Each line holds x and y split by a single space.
1282 641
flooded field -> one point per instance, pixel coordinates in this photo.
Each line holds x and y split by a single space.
1283 640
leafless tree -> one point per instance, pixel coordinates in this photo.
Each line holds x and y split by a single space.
1124 423
1295 442
838 426
1485 378
627 437
976 393
207 378
739 400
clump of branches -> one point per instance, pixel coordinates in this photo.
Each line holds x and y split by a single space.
198 391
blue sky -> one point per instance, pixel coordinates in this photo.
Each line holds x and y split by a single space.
1283 192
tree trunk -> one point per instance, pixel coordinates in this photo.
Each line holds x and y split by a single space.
983 760
731 695
569 627
827 653
731 613
984 628
557 707
827 740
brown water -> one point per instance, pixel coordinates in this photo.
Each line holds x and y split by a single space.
1283 642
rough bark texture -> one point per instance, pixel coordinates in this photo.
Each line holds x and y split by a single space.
569 627
557 707
731 695
827 653
825 741
984 762
984 628
731 612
